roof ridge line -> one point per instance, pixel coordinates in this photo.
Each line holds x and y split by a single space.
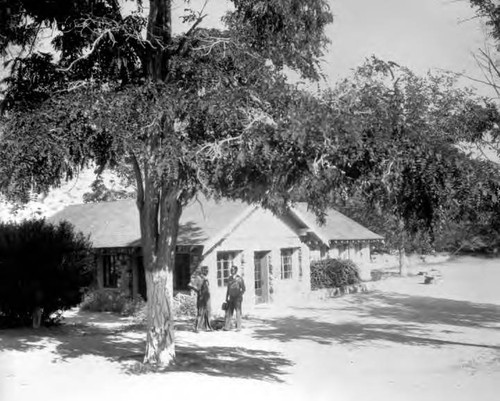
226 231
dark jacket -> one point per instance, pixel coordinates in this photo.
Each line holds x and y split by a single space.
235 287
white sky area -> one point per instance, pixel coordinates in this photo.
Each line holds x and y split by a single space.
420 34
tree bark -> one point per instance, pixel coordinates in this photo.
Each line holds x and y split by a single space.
159 206
159 245
159 34
160 345
160 209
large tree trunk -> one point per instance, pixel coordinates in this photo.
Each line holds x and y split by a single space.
159 34
159 246
160 211
160 346
159 207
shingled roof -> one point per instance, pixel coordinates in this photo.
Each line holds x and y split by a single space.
116 224
337 226
203 221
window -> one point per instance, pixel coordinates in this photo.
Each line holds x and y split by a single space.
286 263
110 271
224 263
301 273
343 251
258 276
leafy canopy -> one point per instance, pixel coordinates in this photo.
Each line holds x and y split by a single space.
403 159
220 119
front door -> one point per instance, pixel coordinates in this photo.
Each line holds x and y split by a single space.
261 275
182 271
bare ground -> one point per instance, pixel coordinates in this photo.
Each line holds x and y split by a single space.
404 340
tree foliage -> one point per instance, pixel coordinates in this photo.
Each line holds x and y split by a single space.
41 265
406 163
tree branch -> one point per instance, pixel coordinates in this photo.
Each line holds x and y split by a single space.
190 31
107 32
139 180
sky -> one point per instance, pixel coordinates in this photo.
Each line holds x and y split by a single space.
420 34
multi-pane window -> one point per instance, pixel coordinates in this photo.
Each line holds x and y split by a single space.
301 273
110 271
286 263
258 276
343 251
224 263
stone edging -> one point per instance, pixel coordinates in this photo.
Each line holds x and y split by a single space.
324 293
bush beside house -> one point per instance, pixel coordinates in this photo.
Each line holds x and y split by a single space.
43 270
333 273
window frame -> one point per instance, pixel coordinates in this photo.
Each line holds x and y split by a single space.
286 256
110 271
224 266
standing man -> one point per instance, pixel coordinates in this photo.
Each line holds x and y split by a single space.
234 298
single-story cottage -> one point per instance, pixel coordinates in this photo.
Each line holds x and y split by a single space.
273 252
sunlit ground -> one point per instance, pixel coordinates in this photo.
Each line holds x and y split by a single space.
404 340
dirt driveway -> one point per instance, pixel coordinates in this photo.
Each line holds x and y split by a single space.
402 341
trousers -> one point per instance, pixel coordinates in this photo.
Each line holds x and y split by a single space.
233 307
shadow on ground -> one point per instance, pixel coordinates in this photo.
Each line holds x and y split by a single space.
426 310
359 334
76 340
224 361
126 346
384 317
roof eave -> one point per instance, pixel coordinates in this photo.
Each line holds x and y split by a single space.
311 227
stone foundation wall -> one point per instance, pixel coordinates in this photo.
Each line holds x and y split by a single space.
325 293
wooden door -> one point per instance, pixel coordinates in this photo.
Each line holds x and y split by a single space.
261 276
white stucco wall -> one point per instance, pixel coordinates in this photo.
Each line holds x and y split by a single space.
261 231
359 254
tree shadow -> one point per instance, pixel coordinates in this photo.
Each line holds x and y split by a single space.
426 310
359 334
190 232
223 361
386 317
126 346
75 340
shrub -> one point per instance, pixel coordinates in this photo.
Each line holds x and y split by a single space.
112 300
103 300
333 273
135 307
41 266
185 304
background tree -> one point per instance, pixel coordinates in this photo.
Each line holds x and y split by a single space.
206 110
487 60
405 164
